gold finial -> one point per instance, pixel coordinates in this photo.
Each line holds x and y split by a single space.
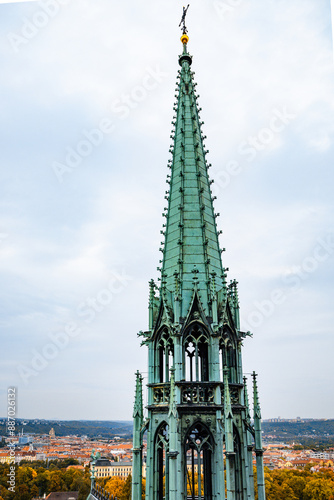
184 38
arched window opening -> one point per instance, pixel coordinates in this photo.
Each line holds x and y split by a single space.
161 462
196 354
228 358
165 353
199 448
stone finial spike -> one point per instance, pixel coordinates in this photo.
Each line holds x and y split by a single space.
246 400
214 298
258 441
151 304
138 405
228 418
256 402
236 294
227 396
172 397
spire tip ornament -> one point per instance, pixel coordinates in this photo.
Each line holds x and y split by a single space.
184 37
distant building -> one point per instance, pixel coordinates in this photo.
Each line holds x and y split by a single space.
25 440
104 467
63 495
52 433
323 455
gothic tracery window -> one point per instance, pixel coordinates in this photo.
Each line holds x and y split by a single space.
196 354
199 448
228 358
165 353
161 462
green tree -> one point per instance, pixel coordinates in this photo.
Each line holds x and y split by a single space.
81 483
56 482
69 461
68 477
42 481
22 492
34 491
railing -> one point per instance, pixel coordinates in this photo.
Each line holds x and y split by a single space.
234 393
198 392
161 394
100 493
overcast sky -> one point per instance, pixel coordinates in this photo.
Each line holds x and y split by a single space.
87 93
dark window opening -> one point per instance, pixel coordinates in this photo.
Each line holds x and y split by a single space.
161 462
196 353
165 355
198 449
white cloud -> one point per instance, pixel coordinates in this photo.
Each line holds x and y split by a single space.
16 1
65 239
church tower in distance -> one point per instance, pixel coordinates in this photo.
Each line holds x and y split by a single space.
200 437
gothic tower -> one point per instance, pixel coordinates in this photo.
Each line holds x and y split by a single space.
200 438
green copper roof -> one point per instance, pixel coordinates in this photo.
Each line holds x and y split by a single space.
191 252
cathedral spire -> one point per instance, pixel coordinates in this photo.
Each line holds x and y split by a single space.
198 425
191 237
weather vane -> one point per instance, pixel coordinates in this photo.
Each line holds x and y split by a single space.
183 20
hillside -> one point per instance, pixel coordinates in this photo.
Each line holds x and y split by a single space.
90 428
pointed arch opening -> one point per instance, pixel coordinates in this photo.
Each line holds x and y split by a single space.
199 450
164 356
196 354
228 358
161 469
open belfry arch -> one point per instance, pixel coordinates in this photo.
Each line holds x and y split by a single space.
200 437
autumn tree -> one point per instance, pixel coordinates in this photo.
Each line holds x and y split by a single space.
24 475
34 491
42 481
22 492
115 486
319 489
56 481
126 493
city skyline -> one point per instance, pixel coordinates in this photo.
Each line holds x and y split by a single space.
87 114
